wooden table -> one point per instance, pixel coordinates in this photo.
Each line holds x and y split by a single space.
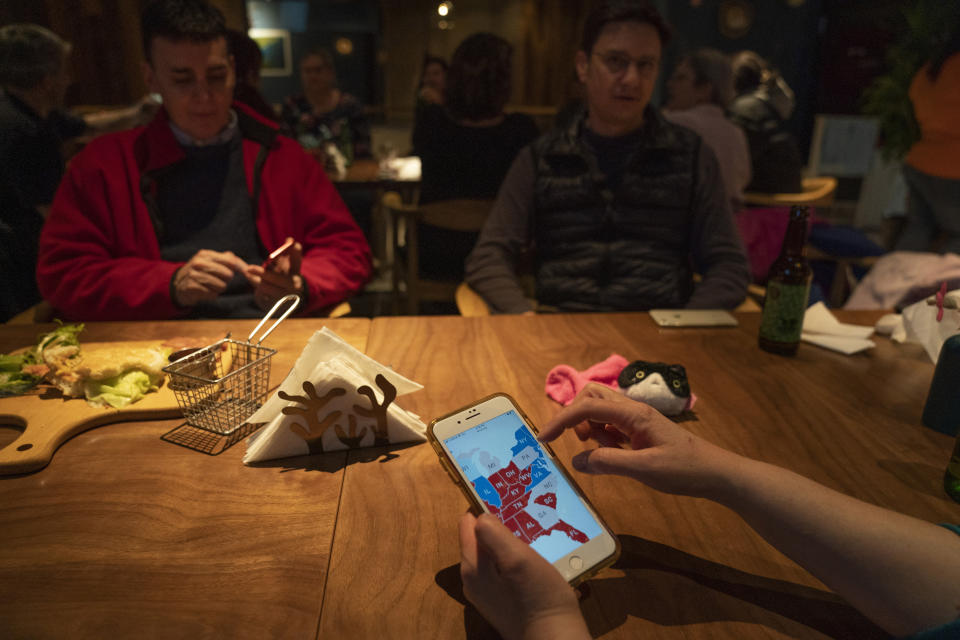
125 534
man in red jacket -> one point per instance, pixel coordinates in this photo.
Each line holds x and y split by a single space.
176 219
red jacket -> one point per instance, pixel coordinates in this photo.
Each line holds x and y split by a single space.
99 254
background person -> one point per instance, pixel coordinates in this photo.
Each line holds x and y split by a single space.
698 91
467 144
247 59
901 573
176 218
323 113
34 76
615 226
932 167
431 89
762 105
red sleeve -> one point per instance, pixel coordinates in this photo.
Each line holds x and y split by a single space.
98 256
336 256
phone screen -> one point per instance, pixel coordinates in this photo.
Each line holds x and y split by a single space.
522 486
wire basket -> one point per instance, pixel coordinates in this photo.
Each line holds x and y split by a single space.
220 386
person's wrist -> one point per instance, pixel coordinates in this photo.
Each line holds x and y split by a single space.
565 624
728 478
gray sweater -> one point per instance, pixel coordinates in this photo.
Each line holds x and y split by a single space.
716 249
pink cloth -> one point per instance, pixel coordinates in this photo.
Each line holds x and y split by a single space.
564 382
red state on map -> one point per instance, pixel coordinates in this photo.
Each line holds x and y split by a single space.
517 530
510 473
531 528
547 500
501 486
573 534
507 511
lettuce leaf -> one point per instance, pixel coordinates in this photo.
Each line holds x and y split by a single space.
121 390
13 381
63 336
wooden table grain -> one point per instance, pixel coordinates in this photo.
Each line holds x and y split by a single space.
689 568
126 535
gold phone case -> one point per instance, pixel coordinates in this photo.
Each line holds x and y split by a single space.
477 508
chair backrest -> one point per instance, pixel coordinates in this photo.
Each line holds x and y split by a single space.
466 215
457 215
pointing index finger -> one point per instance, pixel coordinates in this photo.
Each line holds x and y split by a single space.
620 414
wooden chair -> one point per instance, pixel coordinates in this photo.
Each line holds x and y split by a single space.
819 191
469 302
456 215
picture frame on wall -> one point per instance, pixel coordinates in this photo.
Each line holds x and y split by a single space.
277 53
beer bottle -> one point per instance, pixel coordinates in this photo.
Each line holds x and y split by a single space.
788 289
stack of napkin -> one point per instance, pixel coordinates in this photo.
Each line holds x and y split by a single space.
334 398
821 328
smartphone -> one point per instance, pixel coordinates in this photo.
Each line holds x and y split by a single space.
490 450
276 253
692 318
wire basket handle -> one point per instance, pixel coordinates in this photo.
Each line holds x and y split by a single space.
293 299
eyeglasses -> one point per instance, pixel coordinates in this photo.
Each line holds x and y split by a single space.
618 63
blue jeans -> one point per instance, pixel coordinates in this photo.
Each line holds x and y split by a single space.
933 209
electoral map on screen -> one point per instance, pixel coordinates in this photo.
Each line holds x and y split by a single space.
522 487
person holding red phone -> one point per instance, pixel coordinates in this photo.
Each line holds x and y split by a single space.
175 219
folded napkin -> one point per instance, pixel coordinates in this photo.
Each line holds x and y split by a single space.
334 398
821 328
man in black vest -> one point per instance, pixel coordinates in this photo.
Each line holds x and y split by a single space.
622 207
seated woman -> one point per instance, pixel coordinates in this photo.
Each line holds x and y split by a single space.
467 145
698 91
433 81
761 107
323 113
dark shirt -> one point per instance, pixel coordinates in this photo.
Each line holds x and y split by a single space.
346 125
31 167
459 161
612 153
204 204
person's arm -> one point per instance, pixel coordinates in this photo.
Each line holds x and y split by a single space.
491 266
901 572
717 248
115 119
96 260
513 587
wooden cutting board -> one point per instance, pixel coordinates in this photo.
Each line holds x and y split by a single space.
48 419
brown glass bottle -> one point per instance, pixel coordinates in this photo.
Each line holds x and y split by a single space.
788 289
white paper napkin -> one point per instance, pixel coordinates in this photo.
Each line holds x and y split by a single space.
332 414
821 328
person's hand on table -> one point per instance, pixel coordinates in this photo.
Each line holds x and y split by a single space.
658 452
205 276
512 586
278 279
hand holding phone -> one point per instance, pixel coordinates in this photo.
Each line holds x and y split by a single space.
276 253
491 452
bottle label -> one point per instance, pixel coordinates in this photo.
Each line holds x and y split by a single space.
783 311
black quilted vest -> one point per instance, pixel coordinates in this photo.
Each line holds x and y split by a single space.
599 250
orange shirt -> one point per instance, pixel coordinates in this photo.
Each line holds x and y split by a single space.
937 108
